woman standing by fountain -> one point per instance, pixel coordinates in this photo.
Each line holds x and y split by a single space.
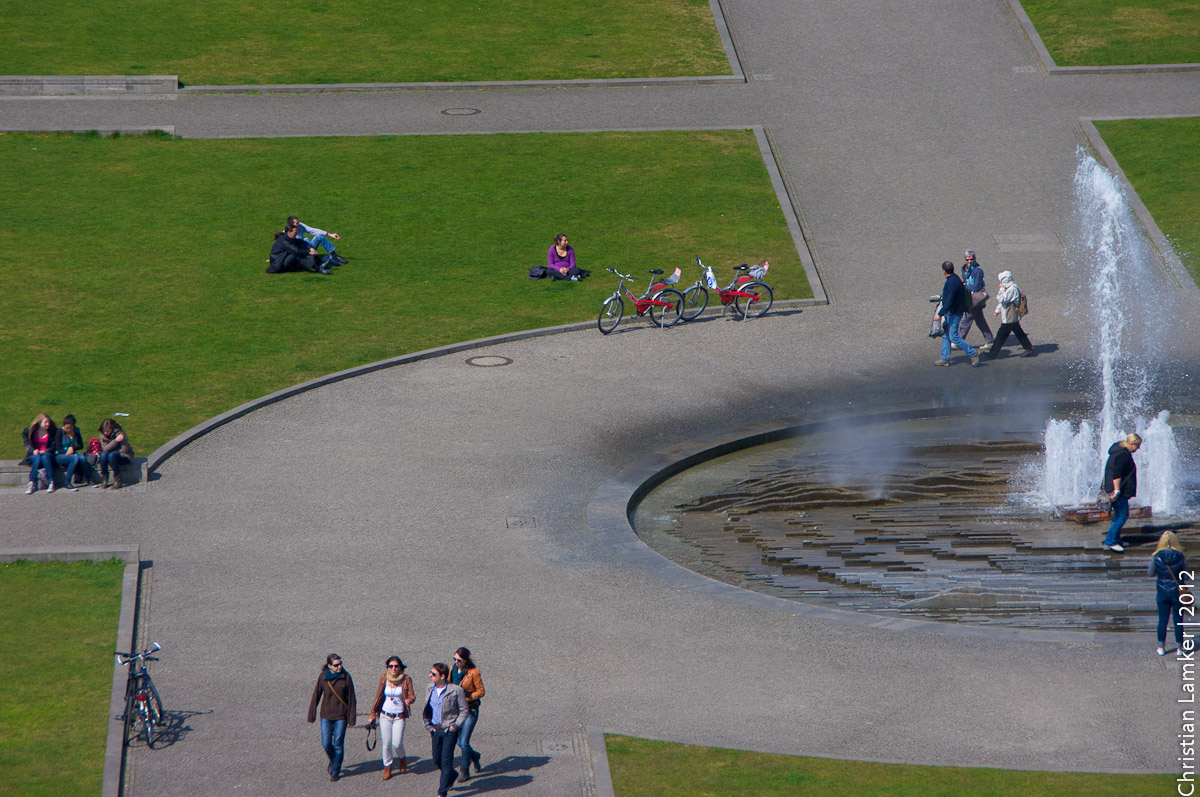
1168 564
1120 484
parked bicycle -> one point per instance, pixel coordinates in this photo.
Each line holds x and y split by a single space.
663 303
749 295
143 707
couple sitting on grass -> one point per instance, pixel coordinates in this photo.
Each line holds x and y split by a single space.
560 263
295 249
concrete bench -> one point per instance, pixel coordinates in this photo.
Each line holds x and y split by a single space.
14 474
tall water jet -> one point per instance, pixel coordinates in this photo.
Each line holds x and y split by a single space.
1120 278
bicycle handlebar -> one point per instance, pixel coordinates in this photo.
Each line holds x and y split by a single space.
128 658
622 276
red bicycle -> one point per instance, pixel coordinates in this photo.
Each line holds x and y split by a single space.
661 301
749 295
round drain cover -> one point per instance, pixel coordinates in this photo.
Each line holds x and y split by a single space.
461 111
488 361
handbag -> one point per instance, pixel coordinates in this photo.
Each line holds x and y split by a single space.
372 739
936 326
1022 306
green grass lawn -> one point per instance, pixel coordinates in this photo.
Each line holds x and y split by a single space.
1161 157
1117 32
351 41
644 768
140 285
59 627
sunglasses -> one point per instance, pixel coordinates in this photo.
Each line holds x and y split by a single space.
393 666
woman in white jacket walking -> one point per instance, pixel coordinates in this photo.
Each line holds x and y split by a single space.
1007 300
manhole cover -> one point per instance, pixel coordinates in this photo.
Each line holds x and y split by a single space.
461 111
488 361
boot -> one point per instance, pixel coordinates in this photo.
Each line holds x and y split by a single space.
118 482
387 773
403 766
104 484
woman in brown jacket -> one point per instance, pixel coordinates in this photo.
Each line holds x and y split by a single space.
466 675
392 701
334 693
115 451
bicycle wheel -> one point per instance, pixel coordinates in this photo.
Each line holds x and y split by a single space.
140 713
667 316
753 308
146 717
695 299
154 715
610 314
130 716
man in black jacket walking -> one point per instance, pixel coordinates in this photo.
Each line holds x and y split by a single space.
290 253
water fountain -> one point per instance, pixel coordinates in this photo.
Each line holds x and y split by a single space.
944 513
1119 276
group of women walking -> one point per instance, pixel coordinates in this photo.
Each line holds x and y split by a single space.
48 446
449 712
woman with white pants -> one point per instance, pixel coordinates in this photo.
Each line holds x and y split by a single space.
392 701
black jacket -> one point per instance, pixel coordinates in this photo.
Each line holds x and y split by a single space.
1121 466
29 443
952 297
63 441
283 247
1167 564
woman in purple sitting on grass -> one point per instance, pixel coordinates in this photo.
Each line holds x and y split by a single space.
560 261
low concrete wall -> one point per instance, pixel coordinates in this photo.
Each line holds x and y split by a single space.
14 474
93 85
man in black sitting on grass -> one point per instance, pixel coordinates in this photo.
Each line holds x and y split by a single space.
291 253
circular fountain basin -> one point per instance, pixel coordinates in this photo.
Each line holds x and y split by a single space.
928 516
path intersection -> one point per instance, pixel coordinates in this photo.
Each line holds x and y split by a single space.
433 505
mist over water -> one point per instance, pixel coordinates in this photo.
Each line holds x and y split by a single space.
1121 289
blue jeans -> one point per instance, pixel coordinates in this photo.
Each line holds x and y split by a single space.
464 736
318 241
41 461
113 459
951 336
1120 515
71 462
1168 608
443 756
333 739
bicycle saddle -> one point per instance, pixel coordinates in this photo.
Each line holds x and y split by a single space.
656 271
742 267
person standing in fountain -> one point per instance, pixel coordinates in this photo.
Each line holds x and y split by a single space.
1120 484
972 277
1169 565
1007 301
951 310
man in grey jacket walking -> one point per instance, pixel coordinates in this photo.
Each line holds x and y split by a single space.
444 714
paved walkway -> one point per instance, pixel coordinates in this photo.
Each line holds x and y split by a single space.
389 513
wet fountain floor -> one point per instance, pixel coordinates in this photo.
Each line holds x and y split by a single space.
912 519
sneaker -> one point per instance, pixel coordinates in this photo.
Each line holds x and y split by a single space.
941 362
575 278
31 488
1118 548
338 260
976 357
70 488
1162 651
1028 353
50 488
954 346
